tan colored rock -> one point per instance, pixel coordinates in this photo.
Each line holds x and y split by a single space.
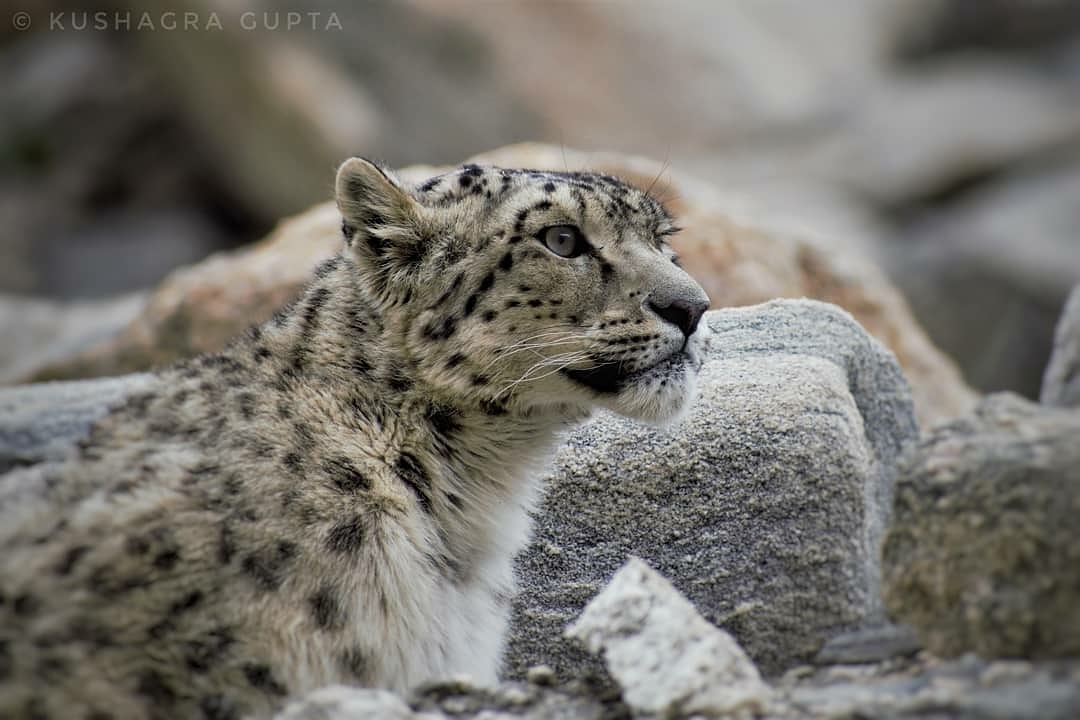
739 258
981 555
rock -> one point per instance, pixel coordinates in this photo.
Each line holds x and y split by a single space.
1061 383
922 687
668 660
764 507
740 257
982 554
41 423
868 645
925 687
516 701
540 675
46 331
988 277
338 702
456 699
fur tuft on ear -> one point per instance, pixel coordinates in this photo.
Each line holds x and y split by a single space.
368 195
381 224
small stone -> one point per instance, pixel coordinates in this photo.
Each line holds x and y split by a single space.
514 696
1003 671
665 656
798 672
869 645
552 549
540 675
456 705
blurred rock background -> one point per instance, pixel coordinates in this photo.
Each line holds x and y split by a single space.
937 138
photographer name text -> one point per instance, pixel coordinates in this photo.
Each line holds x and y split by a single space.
188 21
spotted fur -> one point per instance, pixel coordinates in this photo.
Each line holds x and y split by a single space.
337 496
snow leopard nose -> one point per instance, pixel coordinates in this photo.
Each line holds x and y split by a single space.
683 314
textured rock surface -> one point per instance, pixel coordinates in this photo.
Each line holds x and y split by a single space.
41 423
740 257
1061 383
667 659
982 553
764 507
926 688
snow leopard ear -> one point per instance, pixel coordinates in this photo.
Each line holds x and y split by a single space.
381 223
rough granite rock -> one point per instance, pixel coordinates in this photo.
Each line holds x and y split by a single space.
667 659
1061 383
739 256
982 553
764 507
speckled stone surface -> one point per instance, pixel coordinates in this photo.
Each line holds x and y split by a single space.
764 507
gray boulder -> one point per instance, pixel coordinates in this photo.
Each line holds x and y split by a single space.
1061 382
43 422
764 507
982 553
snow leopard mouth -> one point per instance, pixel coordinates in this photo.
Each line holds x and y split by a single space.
610 378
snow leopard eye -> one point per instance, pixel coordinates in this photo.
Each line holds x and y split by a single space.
563 240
